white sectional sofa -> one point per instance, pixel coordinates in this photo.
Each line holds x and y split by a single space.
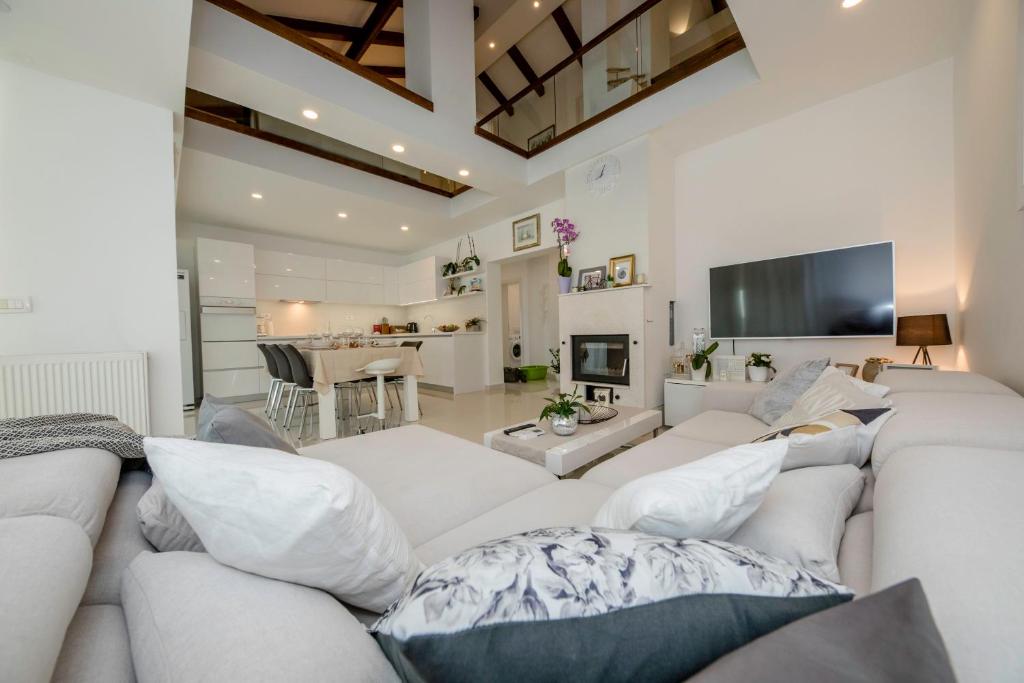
81 599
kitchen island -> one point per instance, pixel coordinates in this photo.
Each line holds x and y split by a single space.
453 362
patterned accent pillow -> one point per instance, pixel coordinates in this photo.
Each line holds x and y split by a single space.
774 400
833 390
592 604
844 437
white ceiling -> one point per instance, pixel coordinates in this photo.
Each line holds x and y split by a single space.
131 47
805 52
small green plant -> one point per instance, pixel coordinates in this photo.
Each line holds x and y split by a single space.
566 405
703 359
556 360
450 268
469 263
760 360
474 322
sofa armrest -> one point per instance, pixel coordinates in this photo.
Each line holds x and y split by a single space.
733 397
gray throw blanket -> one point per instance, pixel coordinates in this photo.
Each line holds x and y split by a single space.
28 435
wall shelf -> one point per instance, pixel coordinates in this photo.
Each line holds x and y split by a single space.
447 297
468 273
606 289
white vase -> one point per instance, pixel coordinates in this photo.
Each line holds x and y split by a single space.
758 374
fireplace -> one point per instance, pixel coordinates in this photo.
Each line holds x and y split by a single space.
601 358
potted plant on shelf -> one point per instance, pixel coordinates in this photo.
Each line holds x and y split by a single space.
473 324
565 233
564 413
556 361
760 365
702 359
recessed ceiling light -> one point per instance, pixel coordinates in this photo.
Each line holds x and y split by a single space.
847 4
491 45
256 195
288 270
398 148
310 114
463 173
216 260
342 214
536 4
405 228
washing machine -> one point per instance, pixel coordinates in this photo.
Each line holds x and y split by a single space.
515 350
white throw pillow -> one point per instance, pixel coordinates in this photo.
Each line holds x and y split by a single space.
833 390
844 437
803 517
295 519
708 498
163 525
873 388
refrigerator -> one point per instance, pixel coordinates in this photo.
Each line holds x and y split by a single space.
230 357
188 388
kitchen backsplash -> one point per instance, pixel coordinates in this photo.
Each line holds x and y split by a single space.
307 318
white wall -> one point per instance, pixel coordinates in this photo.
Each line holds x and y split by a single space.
873 165
87 227
989 229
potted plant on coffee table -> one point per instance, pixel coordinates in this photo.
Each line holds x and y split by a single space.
564 413
761 367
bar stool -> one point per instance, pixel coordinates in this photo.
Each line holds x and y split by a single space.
399 382
275 378
284 369
380 368
303 388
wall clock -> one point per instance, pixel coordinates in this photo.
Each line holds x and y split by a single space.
603 174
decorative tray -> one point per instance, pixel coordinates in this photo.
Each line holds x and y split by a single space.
598 413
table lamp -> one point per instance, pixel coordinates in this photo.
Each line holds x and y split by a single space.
923 331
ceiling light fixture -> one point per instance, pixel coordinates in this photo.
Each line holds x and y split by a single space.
536 4
256 195
310 114
491 45
463 173
342 214
847 4
398 148
405 228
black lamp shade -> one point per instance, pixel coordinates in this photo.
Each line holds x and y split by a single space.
923 330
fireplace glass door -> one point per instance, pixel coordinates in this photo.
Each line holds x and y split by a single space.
601 358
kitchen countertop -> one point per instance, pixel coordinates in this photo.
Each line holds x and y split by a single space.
459 333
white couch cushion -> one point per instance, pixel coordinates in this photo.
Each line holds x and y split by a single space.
709 498
952 517
856 552
655 455
96 647
430 481
77 484
803 516
44 565
287 517
193 619
936 419
568 502
900 381
720 426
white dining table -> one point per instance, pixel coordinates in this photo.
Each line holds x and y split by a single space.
333 366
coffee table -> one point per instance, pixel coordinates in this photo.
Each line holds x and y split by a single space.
563 454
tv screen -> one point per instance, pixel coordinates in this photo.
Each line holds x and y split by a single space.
837 293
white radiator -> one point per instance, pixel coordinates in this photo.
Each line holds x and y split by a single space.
107 383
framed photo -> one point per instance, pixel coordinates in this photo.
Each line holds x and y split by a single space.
849 368
540 138
526 232
621 268
592 278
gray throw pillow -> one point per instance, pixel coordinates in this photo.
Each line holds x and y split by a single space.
228 423
886 637
778 397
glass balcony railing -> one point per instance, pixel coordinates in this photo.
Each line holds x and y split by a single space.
643 52
235 117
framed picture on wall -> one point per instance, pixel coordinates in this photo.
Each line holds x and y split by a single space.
540 138
526 232
593 278
621 269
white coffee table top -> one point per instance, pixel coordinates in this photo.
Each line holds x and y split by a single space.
563 454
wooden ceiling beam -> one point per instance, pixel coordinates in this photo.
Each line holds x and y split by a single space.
496 93
719 6
388 71
525 69
328 31
382 11
568 32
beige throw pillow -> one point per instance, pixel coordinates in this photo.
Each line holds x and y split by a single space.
833 390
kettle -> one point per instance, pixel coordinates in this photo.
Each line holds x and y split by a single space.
412 327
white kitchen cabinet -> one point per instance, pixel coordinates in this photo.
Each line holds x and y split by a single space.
286 288
230 355
683 400
226 271
454 362
289 265
352 271
353 293
417 292
425 268
391 286
232 383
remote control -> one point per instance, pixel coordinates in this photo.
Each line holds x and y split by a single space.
512 430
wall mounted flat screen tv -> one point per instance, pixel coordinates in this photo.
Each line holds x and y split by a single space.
837 293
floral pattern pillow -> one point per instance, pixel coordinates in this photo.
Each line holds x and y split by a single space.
592 604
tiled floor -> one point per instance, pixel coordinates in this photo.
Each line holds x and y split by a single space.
467 416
